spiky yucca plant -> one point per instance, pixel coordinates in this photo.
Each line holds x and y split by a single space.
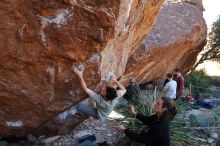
143 103
180 135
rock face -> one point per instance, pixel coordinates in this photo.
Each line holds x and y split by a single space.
174 41
41 39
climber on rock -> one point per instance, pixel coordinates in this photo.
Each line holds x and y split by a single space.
105 99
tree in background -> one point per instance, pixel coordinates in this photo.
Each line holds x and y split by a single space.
212 50
199 82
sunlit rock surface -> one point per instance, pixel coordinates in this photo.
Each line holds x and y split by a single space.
41 39
175 40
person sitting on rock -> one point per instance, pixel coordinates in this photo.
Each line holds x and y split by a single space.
105 100
158 133
200 102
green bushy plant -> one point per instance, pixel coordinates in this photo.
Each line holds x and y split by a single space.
198 80
180 134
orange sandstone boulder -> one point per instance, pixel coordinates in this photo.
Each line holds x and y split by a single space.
41 39
175 40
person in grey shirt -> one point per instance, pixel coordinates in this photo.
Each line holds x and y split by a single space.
169 89
105 100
